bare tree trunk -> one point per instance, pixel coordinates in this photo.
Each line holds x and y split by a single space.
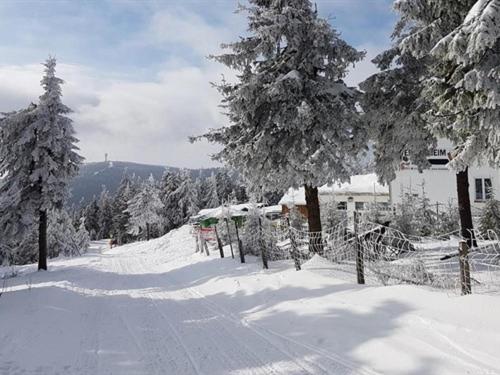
147 231
464 208
314 219
42 240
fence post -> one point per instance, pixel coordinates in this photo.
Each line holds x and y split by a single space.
229 237
197 236
206 247
293 246
360 267
240 245
263 250
219 243
465 281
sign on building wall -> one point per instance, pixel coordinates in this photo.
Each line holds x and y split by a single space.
438 158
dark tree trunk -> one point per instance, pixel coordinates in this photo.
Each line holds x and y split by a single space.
42 240
464 208
147 231
313 219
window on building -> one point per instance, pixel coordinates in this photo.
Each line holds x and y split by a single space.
483 188
360 206
384 206
342 205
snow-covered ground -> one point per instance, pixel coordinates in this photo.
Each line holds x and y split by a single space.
158 308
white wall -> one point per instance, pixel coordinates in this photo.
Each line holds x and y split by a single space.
439 183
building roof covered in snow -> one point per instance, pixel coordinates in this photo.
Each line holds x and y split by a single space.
220 212
360 184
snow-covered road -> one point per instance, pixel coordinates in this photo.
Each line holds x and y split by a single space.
157 308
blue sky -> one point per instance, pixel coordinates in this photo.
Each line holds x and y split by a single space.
136 71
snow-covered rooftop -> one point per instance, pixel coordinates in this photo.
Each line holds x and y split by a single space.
224 211
360 184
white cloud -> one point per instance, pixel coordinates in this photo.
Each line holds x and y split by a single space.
138 121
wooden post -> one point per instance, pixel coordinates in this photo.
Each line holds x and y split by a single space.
229 237
42 240
206 247
293 247
197 235
465 281
360 267
219 242
240 245
263 251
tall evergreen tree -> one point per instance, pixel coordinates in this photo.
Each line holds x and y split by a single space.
105 214
187 193
426 83
490 216
224 185
213 197
92 214
293 120
82 236
144 209
61 235
119 228
465 87
171 212
48 162
17 212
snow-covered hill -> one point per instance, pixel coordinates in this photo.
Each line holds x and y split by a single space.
159 308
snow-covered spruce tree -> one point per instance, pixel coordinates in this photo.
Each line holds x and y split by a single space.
92 215
171 212
465 87
465 84
49 159
187 194
82 237
61 234
490 216
213 197
144 209
17 213
105 214
55 159
293 121
254 227
393 108
119 227
422 24
224 185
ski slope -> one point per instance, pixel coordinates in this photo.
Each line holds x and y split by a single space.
158 308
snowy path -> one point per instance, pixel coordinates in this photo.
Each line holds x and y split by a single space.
157 308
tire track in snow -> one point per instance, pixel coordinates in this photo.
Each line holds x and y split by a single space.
216 338
154 341
283 345
268 335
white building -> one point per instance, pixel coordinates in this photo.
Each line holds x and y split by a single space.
357 194
439 183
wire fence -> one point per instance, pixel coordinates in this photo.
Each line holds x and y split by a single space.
371 253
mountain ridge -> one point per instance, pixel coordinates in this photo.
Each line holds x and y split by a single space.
93 176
